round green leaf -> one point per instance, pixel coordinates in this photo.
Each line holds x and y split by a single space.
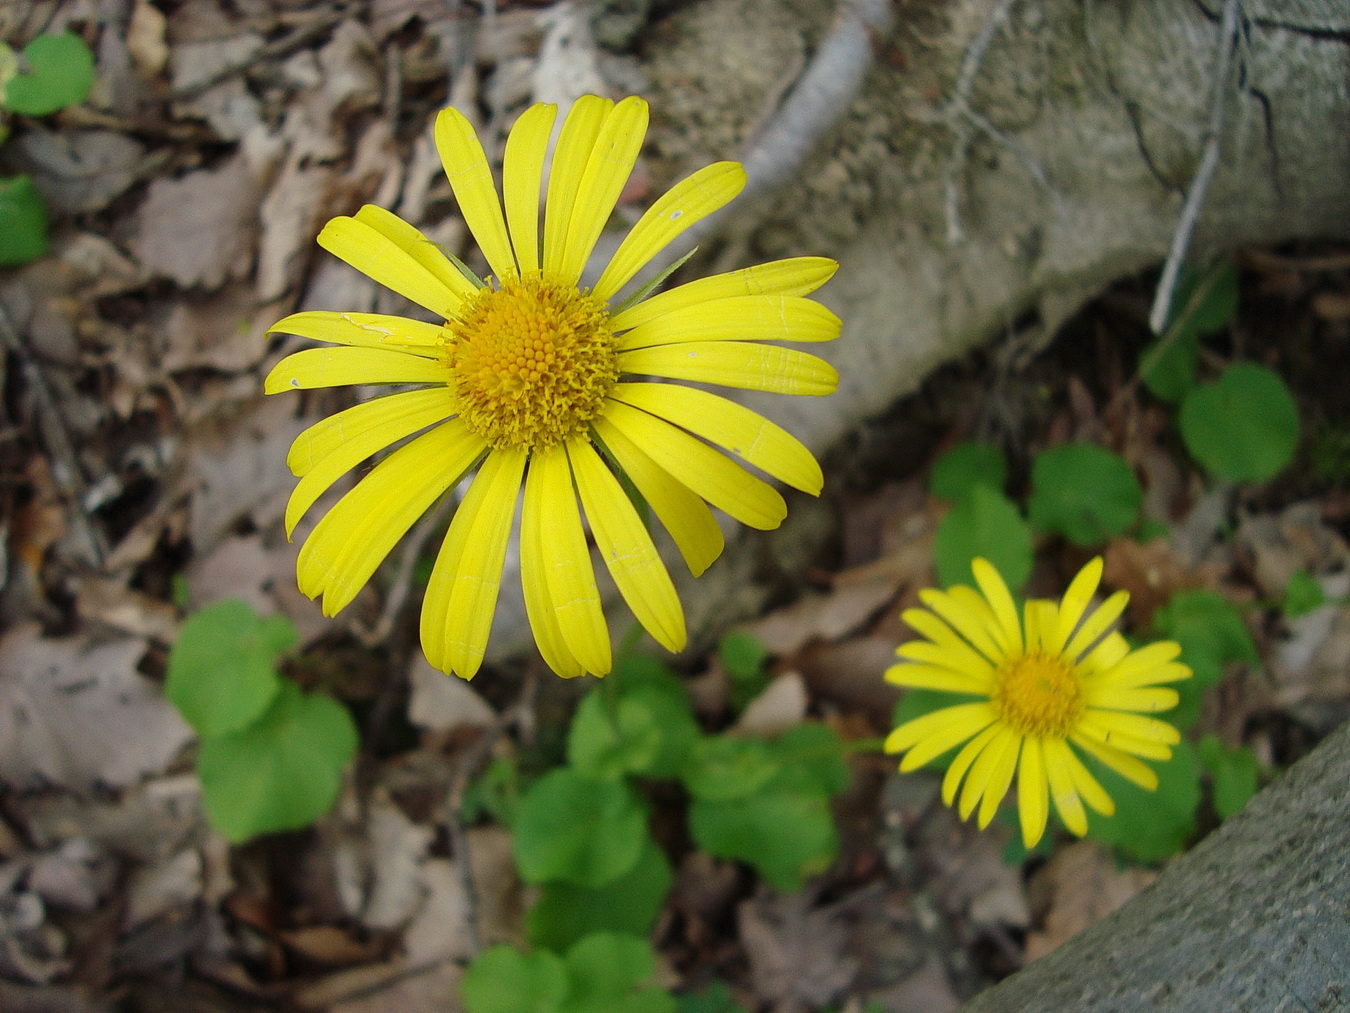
222 669
605 747
282 771
60 72
785 830
722 768
965 466
1243 426
504 980
579 831
1083 492
985 523
1149 826
606 965
1235 773
565 913
817 751
23 222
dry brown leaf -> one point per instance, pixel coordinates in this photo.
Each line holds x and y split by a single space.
224 330
851 673
1078 886
79 171
781 705
442 703
77 713
797 953
199 229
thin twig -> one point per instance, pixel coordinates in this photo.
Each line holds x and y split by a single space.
520 714
1190 211
59 444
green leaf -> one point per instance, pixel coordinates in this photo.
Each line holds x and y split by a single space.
918 702
222 669
584 832
743 656
1204 303
1235 772
965 466
818 752
59 73
1211 634
504 980
23 222
785 830
985 523
564 913
1302 594
604 747
495 792
606 965
716 998
1149 826
1243 426
282 771
721 768
1083 492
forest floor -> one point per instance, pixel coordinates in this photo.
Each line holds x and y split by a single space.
143 478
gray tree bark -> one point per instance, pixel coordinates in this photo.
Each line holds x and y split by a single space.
1255 918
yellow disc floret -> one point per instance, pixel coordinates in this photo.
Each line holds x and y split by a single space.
531 362
1038 694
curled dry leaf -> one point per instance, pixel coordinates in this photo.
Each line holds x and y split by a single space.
1080 885
78 714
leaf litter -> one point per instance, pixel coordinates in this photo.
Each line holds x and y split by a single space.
187 196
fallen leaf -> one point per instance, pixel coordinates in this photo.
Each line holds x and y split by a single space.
78 714
198 229
441 703
797 953
781 705
1081 884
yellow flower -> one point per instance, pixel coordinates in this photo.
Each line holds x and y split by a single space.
1054 681
540 384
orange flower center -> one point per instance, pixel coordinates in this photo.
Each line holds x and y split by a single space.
531 362
1039 695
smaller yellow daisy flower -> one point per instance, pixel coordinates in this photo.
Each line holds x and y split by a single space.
1052 682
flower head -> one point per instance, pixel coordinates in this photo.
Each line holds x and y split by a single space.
527 381
1045 686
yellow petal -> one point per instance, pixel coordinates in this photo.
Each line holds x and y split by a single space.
688 201
971 717
354 537
382 259
539 606
1001 603
1033 808
691 524
1122 763
1074 603
1150 749
794 276
1062 791
968 614
744 318
1003 766
741 364
470 178
1087 786
1137 725
1149 665
954 652
989 766
916 675
1096 624
345 366
627 548
972 749
1038 623
568 570
611 162
329 435
461 596
939 741
745 433
359 445
371 330
720 481
1141 699
573 151
418 246
522 177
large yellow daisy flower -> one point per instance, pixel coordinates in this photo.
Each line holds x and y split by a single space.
540 384
1054 681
